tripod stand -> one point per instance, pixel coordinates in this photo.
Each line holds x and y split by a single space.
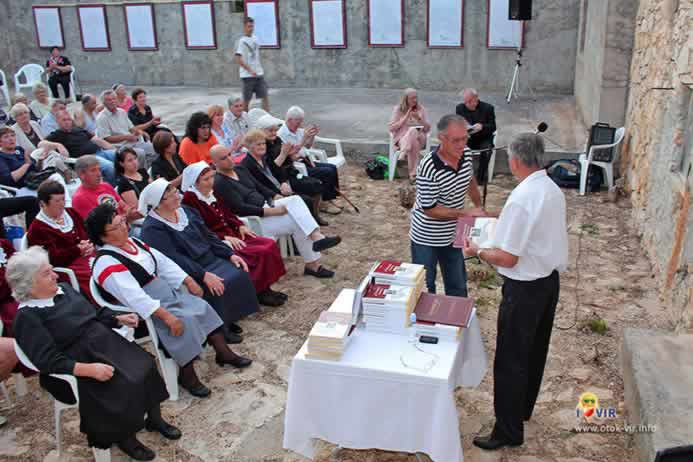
515 82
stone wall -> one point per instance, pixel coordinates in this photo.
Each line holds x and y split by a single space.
658 149
605 45
549 58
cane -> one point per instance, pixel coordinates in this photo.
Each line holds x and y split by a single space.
347 200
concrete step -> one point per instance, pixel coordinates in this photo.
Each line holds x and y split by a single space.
658 382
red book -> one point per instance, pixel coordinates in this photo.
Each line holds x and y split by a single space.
444 309
480 230
464 228
376 290
387 267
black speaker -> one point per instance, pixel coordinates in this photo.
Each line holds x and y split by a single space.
520 10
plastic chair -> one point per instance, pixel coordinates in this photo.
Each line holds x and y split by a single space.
286 247
71 277
20 387
100 455
394 154
586 160
319 155
32 74
492 160
169 368
73 86
4 87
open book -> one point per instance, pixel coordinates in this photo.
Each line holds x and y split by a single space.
480 230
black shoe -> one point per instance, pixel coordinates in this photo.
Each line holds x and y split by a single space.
136 450
321 272
235 328
198 389
321 222
491 442
238 362
267 298
232 338
326 243
167 430
280 295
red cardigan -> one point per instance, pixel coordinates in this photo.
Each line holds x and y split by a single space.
62 247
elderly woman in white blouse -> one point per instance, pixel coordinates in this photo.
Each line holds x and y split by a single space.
30 136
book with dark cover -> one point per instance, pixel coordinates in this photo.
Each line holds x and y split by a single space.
444 309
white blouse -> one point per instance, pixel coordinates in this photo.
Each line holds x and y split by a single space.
119 282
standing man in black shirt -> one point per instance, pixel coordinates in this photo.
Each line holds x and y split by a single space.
481 118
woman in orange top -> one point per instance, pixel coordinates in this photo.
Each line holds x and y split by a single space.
198 139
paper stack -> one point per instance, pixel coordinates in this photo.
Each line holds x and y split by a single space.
399 273
386 308
329 336
443 332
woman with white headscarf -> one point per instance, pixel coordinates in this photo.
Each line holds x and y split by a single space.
265 264
180 233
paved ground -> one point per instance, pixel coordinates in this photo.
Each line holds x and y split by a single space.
243 419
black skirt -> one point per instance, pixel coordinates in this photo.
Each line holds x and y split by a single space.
113 410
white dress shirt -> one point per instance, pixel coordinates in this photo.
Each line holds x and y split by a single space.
533 227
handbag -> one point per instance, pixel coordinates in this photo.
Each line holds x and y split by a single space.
34 179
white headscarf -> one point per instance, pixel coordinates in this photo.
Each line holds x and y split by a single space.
192 173
268 121
151 196
254 115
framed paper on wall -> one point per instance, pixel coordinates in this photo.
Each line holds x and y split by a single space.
445 23
502 33
386 23
49 26
265 13
328 24
198 25
140 27
93 28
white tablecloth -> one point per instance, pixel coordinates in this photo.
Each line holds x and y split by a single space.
370 399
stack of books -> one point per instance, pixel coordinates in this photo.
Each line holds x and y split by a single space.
399 273
329 337
386 307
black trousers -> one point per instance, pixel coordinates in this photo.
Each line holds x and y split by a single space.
14 205
327 174
484 157
525 320
59 79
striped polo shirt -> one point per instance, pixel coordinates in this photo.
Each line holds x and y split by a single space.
438 183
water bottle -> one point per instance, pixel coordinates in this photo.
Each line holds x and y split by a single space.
412 328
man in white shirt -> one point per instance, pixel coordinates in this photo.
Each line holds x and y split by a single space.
49 123
114 126
249 66
235 124
529 249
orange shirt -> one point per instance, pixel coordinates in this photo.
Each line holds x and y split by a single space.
191 152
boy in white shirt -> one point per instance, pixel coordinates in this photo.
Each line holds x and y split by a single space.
249 66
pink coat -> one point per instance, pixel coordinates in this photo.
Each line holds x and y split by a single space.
399 124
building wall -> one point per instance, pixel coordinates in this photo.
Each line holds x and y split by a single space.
658 149
549 58
603 59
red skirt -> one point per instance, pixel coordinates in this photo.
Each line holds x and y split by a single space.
264 261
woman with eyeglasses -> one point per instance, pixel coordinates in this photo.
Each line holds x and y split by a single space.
131 180
198 140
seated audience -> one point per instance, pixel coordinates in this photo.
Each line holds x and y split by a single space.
236 123
302 139
49 122
409 127
79 142
265 264
61 232
198 139
481 118
113 125
86 116
277 166
168 165
41 105
93 191
62 333
245 196
141 114
30 136
131 181
124 100
59 68
21 98
180 234
152 285
13 205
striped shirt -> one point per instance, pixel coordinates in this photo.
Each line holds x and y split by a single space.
438 184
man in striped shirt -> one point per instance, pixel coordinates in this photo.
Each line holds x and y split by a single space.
443 179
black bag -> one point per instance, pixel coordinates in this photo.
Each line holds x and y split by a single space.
376 169
566 174
601 133
34 179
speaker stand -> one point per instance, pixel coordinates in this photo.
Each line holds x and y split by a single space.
514 88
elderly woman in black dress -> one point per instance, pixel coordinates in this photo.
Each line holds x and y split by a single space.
62 333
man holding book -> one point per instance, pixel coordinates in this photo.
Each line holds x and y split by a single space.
443 179
529 248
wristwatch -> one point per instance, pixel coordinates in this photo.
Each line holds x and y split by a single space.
478 253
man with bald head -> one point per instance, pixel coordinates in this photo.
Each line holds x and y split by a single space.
481 118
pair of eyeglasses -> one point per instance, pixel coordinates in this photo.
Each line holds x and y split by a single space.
117 222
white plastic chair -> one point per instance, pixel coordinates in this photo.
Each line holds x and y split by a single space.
169 368
492 160
586 160
73 86
100 455
4 87
319 155
72 278
20 387
32 73
286 248
394 154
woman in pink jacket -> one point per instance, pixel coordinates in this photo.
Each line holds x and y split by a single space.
409 127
